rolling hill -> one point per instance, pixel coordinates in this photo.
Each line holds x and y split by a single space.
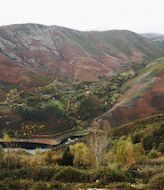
141 97
67 78
158 38
67 54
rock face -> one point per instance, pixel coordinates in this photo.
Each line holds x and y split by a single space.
142 96
62 53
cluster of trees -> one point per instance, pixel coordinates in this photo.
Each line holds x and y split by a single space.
32 114
92 98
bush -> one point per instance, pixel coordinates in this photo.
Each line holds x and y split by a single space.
120 186
56 185
139 151
59 186
112 175
17 184
44 173
4 186
69 174
153 154
24 184
157 182
40 186
161 147
136 171
153 137
16 174
136 138
149 172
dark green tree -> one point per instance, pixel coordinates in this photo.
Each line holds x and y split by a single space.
67 158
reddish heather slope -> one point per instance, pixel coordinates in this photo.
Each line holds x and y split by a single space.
142 96
67 54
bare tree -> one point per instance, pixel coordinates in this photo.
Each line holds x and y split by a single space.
98 140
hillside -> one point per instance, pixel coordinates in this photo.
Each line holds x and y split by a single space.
14 75
61 107
68 108
142 96
65 54
157 38
62 79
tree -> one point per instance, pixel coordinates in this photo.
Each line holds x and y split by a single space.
67 158
82 155
125 154
14 98
97 141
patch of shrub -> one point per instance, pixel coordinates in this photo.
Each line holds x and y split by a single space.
44 173
17 184
120 186
153 154
161 147
16 174
149 172
69 174
139 151
153 136
56 185
157 182
4 186
112 175
40 186
136 138
147 142
135 171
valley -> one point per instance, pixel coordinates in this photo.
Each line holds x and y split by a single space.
93 100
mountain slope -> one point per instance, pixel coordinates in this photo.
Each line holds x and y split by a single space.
142 96
66 54
15 75
158 38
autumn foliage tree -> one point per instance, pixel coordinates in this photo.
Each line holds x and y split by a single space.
125 154
82 155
